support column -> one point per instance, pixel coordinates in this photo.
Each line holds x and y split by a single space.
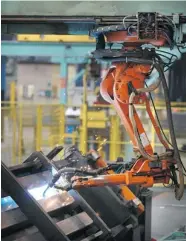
3 77
63 79
3 89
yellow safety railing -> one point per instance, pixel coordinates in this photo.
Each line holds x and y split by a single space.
30 127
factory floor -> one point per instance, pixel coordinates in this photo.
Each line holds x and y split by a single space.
168 214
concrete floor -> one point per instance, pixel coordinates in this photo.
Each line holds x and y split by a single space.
168 214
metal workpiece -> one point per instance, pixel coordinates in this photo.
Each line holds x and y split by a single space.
90 211
54 152
56 205
12 220
30 207
69 226
36 162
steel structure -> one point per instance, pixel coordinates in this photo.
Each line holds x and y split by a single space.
60 18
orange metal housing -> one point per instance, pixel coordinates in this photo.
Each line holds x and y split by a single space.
122 36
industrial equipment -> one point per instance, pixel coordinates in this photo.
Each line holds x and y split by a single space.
124 86
79 215
102 185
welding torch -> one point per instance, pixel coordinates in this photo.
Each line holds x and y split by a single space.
60 172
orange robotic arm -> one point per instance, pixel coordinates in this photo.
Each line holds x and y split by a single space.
124 87
116 88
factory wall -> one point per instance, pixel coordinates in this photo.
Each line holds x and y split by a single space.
38 82
41 83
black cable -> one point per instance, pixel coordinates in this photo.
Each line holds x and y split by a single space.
150 71
180 190
161 128
179 49
155 111
159 123
168 65
166 36
168 185
165 57
167 53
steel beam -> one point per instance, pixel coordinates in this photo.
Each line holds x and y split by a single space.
62 53
67 51
59 17
90 9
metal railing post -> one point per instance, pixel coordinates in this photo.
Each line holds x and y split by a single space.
83 129
20 133
114 138
14 129
39 128
62 125
84 110
12 92
13 119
